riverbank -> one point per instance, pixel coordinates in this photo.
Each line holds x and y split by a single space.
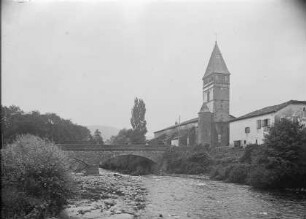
107 195
117 196
197 197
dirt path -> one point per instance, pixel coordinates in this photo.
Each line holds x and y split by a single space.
108 195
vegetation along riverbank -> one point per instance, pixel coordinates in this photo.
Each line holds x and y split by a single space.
280 163
35 179
37 183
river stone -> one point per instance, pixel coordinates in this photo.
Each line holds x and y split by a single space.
121 216
92 170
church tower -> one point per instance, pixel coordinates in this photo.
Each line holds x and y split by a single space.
216 93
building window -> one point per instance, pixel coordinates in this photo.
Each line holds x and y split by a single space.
247 130
245 142
237 143
258 124
266 123
256 141
304 109
208 96
219 138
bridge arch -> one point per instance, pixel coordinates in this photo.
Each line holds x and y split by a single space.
115 156
94 155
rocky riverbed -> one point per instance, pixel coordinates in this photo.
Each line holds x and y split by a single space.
107 195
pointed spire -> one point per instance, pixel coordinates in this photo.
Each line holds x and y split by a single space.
204 108
216 62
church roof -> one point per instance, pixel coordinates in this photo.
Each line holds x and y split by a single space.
216 63
195 120
204 108
268 110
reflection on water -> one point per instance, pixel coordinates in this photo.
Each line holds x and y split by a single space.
199 197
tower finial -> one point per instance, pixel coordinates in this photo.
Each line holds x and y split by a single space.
216 37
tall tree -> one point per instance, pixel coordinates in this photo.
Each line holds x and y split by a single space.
138 122
98 137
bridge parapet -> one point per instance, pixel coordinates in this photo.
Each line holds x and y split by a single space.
94 147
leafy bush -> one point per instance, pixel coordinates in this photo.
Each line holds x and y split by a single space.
239 173
35 178
220 172
187 161
260 177
281 164
278 164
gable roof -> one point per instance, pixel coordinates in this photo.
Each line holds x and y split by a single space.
195 120
216 63
268 110
204 108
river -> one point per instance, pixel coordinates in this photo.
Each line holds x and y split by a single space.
200 197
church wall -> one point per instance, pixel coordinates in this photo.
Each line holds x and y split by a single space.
166 132
221 113
205 132
221 92
221 134
208 93
211 106
174 131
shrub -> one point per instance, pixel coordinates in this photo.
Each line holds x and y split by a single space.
260 177
220 172
193 160
285 154
238 173
35 178
281 164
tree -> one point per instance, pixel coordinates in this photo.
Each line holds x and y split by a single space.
138 122
283 162
123 137
15 122
97 138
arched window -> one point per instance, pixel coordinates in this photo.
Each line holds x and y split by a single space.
208 96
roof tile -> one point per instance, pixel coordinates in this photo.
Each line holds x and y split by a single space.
267 110
216 63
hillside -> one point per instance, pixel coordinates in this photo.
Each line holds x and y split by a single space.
107 131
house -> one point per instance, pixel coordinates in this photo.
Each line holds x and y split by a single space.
252 127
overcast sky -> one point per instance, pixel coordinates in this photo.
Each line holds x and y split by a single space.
87 60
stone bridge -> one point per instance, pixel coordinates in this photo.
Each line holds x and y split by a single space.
94 155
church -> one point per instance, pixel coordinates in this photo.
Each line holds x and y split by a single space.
211 127
214 126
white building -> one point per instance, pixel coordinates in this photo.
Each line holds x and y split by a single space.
251 128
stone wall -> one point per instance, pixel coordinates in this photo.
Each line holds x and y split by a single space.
94 155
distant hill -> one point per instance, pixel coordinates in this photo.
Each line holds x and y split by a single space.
106 131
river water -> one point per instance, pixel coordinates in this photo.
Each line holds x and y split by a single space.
200 197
